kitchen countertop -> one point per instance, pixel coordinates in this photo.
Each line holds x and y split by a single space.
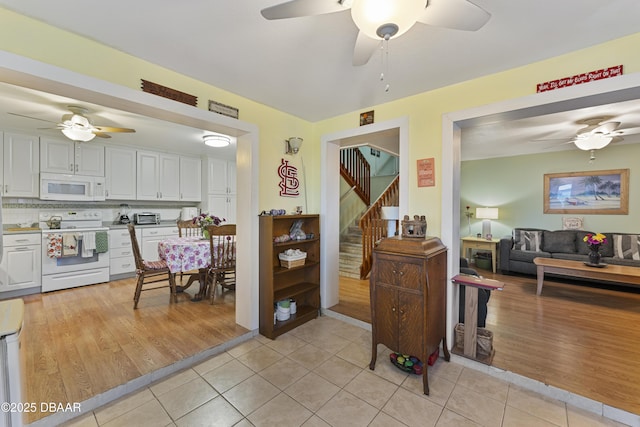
14 229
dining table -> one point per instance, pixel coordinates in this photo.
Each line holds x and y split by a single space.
184 254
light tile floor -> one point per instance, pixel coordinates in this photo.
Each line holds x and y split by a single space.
318 375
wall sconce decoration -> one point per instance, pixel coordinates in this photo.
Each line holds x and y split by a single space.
292 145
486 215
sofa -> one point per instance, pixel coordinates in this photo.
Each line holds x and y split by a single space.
518 250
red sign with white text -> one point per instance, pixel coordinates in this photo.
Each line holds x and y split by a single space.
591 76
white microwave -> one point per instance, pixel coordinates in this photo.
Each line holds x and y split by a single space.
55 186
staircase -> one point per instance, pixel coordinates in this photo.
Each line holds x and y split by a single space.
350 255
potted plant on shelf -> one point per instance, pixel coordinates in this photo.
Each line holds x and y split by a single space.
204 220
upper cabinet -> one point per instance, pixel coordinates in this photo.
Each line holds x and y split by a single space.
158 176
190 175
120 165
68 157
221 177
21 161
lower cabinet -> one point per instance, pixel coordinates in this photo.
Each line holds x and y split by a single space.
151 237
21 262
121 261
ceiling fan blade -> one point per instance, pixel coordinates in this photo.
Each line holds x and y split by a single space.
617 139
364 48
606 127
101 129
297 8
455 14
101 135
29 117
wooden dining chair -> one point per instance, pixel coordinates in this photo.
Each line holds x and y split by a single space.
186 228
149 272
222 241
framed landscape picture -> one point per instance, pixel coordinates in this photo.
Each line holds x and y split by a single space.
604 192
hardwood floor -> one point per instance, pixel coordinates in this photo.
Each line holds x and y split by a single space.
576 337
82 342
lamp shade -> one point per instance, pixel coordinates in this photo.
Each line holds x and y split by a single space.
594 141
487 213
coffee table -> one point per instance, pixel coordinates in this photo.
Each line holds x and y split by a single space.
610 273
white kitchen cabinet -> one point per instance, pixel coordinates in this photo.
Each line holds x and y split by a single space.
120 165
221 176
21 262
223 206
21 161
151 236
121 260
69 157
158 176
190 179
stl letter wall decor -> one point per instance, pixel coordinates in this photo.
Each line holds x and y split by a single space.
289 182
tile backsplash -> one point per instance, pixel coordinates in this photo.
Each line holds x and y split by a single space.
16 211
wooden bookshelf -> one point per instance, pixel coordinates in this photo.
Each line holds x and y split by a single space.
277 283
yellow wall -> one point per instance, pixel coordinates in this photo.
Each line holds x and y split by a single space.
33 39
425 110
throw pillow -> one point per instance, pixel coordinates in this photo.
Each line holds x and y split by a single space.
527 240
626 246
559 241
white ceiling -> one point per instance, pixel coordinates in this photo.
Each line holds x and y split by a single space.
303 66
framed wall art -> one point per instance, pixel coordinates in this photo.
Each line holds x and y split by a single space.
604 192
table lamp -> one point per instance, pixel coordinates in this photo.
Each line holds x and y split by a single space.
486 215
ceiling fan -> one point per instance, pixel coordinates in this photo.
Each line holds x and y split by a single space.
379 20
77 127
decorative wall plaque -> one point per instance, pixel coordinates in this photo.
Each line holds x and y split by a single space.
167 92
426 172
289 182
366 118
225 110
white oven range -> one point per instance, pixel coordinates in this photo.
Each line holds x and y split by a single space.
74 267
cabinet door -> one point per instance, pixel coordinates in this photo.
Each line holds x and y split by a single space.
20 268
169 183
21 165
148 174
217 205
57 156
231 178
120 164
190 179
217 176
89 159
410 323
231 209
386 308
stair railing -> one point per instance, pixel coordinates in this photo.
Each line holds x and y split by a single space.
374 227
355 169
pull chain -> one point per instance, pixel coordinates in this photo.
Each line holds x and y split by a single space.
385 62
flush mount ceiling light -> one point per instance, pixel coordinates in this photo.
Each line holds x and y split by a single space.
592 141
216 140
379 20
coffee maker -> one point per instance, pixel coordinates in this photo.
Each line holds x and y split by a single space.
124 214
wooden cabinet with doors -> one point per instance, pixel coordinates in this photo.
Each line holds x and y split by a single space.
278 283
408 286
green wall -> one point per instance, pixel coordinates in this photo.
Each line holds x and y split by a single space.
515 186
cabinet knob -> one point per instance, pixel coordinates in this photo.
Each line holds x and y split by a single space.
393 309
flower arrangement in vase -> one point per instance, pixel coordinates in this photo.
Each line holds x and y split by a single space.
469 215
594 241
204 220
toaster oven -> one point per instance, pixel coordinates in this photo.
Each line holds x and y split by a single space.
146 218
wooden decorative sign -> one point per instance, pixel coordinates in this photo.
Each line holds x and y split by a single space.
591 76
167 92
426 172
289 182
225 110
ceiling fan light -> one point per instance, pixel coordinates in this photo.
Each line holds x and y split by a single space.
78 134
217 140
594 141
370 15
